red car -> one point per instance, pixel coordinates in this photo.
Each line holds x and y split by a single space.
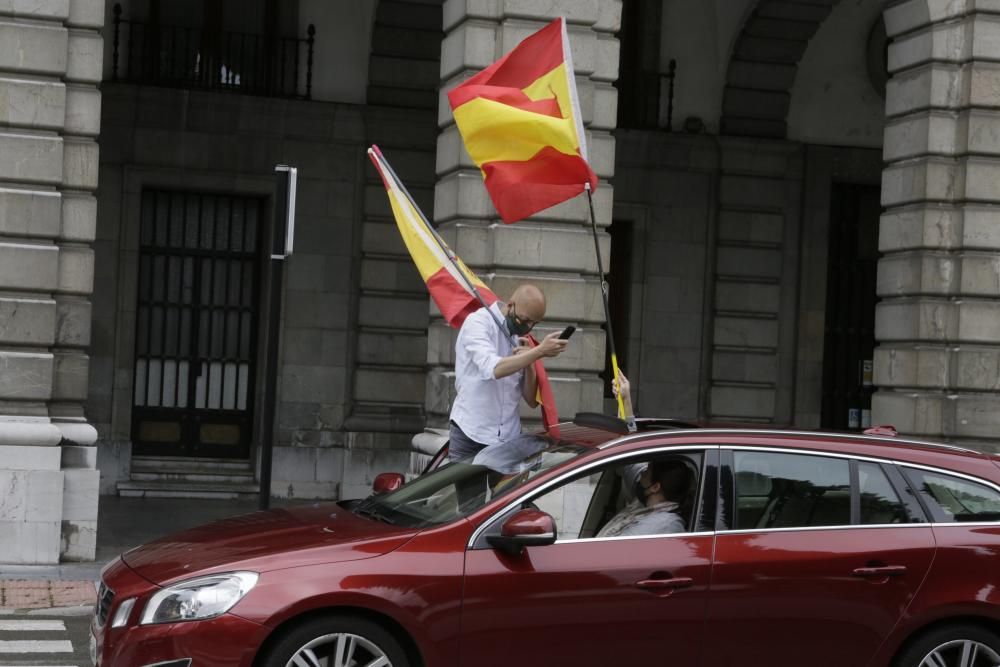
783 548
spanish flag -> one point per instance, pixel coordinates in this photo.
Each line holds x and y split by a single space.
520 120
456 290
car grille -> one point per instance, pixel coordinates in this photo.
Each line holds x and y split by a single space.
105 597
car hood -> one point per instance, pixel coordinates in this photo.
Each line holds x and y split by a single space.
262 541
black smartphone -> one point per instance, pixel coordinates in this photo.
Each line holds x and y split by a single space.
567 332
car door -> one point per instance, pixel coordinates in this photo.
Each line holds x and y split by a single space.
590 601
817 558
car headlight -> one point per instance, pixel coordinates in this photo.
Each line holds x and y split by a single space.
197 599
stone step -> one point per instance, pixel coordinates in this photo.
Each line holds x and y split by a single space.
171 489
197 465
186 476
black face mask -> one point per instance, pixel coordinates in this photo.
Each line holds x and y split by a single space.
514 324
640 491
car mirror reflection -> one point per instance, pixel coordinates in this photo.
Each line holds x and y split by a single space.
387 482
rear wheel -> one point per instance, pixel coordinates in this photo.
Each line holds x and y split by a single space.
336 641
953 646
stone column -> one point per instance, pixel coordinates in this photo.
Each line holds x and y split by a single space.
50 59
938 324
553 249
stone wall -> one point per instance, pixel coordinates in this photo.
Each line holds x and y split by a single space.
939 278
756 268
201 141
553 249
50 56
728 289
666 189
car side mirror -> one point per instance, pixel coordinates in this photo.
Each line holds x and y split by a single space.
386 482
525 528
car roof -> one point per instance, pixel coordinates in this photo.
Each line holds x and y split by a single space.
603 432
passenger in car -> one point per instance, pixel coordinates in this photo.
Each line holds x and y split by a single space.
659 491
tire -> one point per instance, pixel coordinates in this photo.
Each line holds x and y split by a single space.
945 647
342 638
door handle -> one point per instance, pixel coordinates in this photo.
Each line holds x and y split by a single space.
665 584
880 571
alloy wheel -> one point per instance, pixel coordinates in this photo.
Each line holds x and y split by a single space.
961 653
340 649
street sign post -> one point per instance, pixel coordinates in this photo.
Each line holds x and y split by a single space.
282 242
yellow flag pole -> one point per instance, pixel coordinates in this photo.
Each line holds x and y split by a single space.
604 294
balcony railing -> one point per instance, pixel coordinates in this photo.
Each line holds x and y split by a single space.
172 56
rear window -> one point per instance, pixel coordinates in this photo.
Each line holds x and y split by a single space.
953 499
791 490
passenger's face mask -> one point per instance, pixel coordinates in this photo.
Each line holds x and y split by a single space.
641 492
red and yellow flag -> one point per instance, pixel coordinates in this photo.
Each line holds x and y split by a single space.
520 120
451 284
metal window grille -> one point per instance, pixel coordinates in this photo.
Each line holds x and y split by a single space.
196 311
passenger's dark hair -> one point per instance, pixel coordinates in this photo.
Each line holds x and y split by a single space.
674 477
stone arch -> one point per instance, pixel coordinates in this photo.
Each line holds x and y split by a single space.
763 64
389 357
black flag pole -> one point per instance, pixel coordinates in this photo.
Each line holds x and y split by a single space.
604 296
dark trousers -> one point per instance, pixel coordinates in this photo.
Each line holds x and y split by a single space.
461 446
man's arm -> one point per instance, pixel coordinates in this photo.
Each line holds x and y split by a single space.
551 346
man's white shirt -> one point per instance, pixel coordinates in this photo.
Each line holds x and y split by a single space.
486 408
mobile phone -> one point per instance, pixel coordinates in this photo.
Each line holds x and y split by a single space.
567 332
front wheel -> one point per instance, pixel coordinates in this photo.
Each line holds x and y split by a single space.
953 646
336 641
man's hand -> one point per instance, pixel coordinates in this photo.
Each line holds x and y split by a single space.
552 345
524 355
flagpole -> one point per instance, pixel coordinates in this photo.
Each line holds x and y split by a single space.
604 295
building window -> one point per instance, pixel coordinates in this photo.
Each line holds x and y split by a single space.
249 46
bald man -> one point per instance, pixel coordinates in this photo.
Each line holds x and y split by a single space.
493 371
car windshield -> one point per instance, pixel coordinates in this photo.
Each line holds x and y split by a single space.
459 489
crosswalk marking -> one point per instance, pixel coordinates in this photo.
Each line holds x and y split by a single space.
36 626
36 646
39 639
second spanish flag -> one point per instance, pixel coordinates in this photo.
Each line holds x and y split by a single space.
520 120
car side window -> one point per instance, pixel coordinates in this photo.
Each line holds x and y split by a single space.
776 490
568 504
953 499
880 504
606 502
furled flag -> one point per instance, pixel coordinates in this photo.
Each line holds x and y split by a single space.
520 120
456 290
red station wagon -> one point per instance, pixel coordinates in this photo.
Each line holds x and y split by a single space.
791 548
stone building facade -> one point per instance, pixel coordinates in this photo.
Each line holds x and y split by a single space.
796 205
50 117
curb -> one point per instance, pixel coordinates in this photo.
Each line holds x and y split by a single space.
79 610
